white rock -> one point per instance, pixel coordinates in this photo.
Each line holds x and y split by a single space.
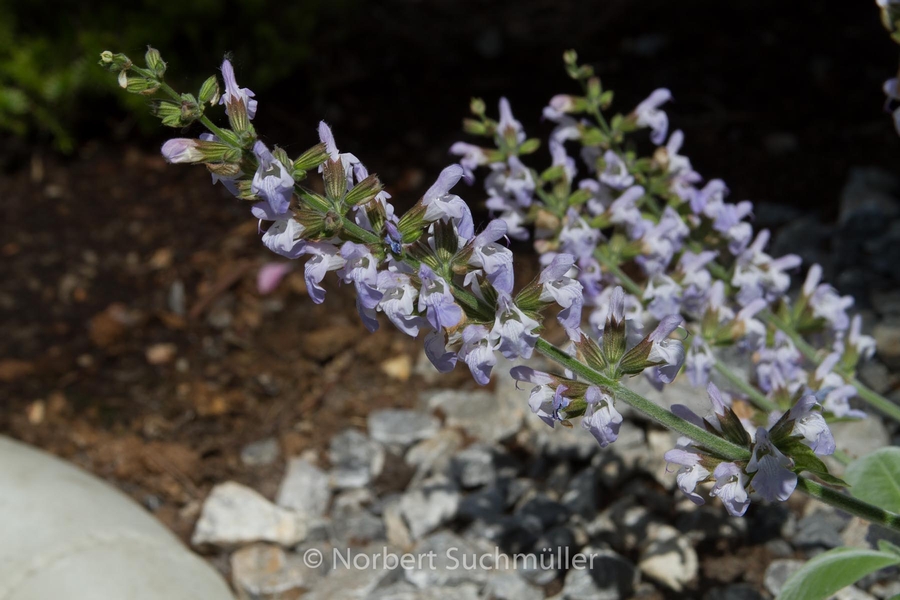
432 504
356 459
66 534
402 427
305 488
778 572
669 558
235 514
467 411
351 583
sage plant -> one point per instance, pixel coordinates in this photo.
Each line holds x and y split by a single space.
648 273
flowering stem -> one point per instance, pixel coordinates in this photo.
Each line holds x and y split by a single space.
754 394
871 397
717 445
849 504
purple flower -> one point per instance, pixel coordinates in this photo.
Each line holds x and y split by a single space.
325 258
495 260
514 331
690 473
577 237
758 275
666 351
472 157
561 159
699 362
436 300
508 126
398 301
661 241
624 211
477 352
825 301
436 350
284 235
863 345
348 161
542 394
649 115
601 418
773 479
664 296
837 402
616 174
731 488
565 291
441 204
810 424
233 93
272 180
361 268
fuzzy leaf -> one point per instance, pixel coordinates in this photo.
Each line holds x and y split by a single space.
876 478
834 570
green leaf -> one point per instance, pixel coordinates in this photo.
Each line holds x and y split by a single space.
834 570
876 478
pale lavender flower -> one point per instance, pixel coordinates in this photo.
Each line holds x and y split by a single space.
519 182
649 115
509 212
837 402
624 211
272 181
731 488
810 424
824 300
668 352
708 200
660 241
565 291
577 237
664 296
616 174
361 268
325 257
441 204
773 479
758 275
560 158
514 332
235 93
436 350
398 301
542 394
230 183
728 220
472 157
601 418
560 402
477 352
695 281
751 331
698 362
779 365
495 260
348 161
690 473
436 300
863 345
508 124
284 235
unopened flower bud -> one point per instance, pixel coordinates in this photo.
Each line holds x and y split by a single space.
114 62
312 158
209 91
188 150
155 62
476 105
139 85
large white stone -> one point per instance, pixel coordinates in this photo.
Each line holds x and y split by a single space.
66 534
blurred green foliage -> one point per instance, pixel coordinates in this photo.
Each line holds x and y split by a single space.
49 76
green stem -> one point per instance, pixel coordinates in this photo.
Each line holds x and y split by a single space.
613 267
842 457
720 447
849 504
754 394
